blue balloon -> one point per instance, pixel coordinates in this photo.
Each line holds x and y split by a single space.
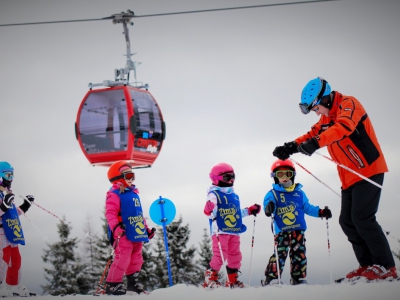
162 211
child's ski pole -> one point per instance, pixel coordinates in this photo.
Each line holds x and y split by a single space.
276 249
329 246
220 251
252 246
49 212
101 286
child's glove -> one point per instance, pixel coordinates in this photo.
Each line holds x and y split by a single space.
270 208
7 202
208 208
119 231
254 209
27 203
150 232
325 213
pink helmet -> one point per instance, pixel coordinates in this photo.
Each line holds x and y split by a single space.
217 172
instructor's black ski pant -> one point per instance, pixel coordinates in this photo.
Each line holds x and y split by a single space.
357 218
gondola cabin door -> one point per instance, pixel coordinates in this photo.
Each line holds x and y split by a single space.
120 123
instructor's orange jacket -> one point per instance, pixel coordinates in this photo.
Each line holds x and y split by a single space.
350 138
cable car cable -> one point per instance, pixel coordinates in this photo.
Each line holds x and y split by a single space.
171 13
230 8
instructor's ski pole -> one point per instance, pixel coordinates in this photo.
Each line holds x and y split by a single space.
314 176
350 170
337 194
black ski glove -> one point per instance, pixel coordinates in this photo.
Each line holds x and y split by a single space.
325 213
270 208
7 202
27 203
150 232
283 152
309 147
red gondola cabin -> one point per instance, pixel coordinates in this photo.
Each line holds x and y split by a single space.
120 123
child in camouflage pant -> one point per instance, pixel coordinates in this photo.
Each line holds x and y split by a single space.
288 204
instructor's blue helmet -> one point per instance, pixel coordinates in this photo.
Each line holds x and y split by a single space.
6 173
313 93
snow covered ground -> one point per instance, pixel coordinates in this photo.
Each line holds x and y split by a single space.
361 291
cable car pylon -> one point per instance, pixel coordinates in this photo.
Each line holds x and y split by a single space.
121 120
119 74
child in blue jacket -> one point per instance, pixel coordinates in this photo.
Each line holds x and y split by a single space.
288 204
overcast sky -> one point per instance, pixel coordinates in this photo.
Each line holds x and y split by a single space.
228 84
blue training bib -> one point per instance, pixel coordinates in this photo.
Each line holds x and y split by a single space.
229 216
132 216
12 226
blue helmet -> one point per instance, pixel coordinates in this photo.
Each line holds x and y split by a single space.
6 171
312 94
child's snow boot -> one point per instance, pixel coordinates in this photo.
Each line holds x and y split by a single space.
211 279
5 290
133 284
296 281
233 281
115 288
268 280
21 291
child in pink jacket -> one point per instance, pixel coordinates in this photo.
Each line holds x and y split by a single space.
127 230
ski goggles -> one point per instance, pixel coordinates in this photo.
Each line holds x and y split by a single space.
8 176
226 177
284 173
306 108
129 176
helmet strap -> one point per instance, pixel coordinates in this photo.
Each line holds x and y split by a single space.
287 184
116 178
326 101
224 184
5 183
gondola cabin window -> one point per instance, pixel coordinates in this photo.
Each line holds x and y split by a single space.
104 122
149 124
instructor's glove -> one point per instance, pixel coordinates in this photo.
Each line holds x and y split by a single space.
283 152
254 209
208 208
270 208
27 203
7 202
150 232
309 147
325 213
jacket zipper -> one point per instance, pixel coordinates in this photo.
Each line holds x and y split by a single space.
354 155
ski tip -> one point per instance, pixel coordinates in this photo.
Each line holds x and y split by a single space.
339 280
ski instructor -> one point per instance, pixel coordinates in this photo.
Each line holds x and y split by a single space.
346 129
